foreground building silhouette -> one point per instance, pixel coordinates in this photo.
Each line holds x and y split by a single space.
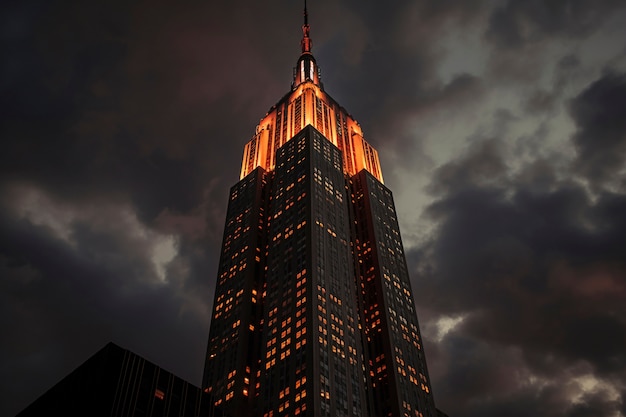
117 382
313 312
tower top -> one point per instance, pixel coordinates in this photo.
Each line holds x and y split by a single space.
306 68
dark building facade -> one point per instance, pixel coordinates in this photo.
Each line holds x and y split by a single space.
313 311
115 382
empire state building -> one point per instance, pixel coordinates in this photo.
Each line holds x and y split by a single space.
313 312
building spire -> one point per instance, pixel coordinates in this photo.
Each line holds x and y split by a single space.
306 41
306 69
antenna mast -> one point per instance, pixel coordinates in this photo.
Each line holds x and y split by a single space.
306 40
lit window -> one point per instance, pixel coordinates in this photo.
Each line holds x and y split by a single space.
159 394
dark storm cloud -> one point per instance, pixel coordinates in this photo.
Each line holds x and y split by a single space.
547 102
487 379
600 114
515 23
532 263
99 127
521 33
480 167
60 298
101 120
396 60
540 102
557 300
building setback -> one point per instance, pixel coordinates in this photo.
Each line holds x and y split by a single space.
313 312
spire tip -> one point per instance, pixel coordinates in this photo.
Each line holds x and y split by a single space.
306 16
306 41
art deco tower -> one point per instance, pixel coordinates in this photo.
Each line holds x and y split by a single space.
313 312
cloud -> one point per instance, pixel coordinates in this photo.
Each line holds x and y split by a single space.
600 115
75 278
535 265
516 23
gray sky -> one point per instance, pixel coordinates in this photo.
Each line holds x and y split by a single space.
501 127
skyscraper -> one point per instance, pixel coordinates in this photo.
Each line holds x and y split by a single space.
313 312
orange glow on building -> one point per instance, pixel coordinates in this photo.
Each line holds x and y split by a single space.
308 104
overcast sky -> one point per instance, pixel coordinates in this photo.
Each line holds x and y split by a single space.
501 127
